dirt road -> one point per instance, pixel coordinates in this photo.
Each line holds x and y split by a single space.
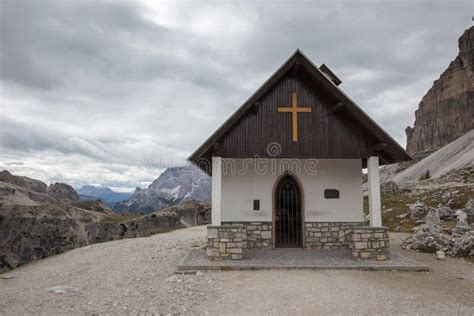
137 276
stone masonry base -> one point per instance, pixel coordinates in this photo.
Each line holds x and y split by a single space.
224 242
255 235
369 243
328 235
227 242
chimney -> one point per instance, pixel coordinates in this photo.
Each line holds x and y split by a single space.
330 75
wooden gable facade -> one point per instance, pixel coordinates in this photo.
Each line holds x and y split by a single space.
335 127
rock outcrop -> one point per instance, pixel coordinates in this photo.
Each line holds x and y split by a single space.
96 206
469 208
446 112
63 192
18 190
455 242
434 235
34 232
24 182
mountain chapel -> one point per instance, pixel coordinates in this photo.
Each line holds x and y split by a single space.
287 166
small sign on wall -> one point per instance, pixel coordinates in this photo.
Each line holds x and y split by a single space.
331 194
256 205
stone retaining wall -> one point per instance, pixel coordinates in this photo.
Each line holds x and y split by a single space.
224 242
255 235
370 243
328 235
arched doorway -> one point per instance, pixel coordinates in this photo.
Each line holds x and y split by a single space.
287 222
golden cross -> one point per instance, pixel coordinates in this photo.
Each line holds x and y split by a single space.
294 111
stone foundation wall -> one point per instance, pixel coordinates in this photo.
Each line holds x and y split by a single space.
370 243
255 235
328 235
224 242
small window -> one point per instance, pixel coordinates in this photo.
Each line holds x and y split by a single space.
256 205
331 194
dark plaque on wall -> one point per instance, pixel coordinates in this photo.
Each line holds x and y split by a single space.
256 205
331 194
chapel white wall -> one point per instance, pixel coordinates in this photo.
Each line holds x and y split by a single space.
239 190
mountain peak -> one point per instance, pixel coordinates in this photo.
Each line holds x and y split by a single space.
173 186
103 193
5 173
94 190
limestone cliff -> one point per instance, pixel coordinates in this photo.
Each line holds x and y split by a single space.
446 112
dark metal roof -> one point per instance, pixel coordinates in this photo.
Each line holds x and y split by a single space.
387 148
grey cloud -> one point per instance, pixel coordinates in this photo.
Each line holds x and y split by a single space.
17 137
103 85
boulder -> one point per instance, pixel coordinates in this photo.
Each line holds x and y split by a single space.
469 209
418 209
440 255
461 220
425 238
432 218
432 238
8 261
445 212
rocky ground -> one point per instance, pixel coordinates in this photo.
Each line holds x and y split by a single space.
137 276
439 212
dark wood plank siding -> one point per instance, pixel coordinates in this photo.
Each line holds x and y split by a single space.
321 133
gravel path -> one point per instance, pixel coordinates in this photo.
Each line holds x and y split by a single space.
137 276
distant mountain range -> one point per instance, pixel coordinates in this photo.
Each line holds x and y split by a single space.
107 195
173 186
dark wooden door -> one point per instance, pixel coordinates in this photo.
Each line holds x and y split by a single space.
288 218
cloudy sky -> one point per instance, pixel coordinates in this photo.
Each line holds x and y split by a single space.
113 92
